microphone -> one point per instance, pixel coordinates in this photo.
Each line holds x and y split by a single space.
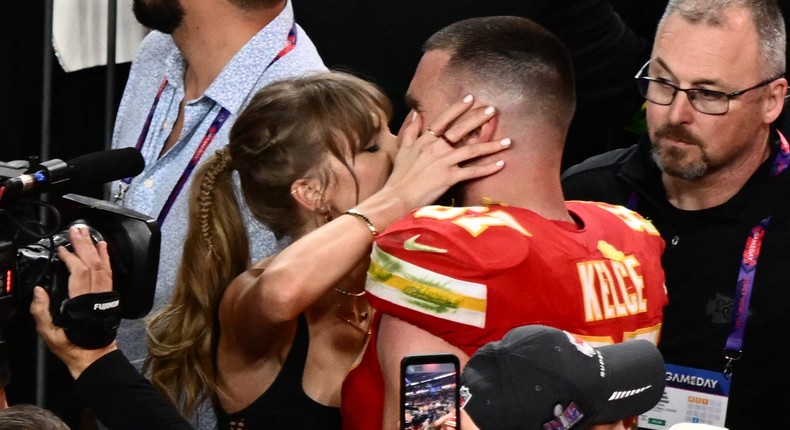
88 169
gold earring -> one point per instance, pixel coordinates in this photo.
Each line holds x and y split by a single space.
324 212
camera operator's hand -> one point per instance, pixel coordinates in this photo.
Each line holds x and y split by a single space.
90 272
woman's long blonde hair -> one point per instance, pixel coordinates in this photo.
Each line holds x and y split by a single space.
285 133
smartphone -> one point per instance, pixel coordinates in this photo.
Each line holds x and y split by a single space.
429 392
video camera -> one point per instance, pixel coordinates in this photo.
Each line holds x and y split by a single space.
32 229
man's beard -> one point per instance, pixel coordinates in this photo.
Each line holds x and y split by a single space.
161 15
687 163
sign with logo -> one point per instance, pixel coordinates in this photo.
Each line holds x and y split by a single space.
691 396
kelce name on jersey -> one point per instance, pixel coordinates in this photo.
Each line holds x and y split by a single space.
611 288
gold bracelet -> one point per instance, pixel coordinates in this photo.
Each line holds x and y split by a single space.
366 220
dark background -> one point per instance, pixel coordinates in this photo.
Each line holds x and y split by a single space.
78 98
78 101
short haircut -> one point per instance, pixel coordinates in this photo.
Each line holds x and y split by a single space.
513 56
30 417
766 16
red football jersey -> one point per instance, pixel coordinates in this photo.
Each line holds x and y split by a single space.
470 274
362 394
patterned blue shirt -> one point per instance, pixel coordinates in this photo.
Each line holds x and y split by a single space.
160 59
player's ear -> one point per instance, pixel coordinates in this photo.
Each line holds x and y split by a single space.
484 133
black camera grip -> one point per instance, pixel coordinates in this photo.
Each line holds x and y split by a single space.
91 320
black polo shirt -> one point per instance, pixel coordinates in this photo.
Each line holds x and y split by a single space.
702 261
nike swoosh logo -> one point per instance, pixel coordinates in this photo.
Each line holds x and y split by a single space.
411 245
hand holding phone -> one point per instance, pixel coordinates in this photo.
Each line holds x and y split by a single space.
429 392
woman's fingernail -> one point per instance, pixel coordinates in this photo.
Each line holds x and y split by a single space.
489 110
468 98
413 116
500 163
505 141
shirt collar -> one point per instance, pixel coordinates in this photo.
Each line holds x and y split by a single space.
642 173
237 81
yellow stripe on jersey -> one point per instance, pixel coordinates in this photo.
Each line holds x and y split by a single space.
415 288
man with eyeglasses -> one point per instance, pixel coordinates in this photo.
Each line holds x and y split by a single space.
712 176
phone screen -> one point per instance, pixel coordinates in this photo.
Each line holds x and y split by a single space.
429 392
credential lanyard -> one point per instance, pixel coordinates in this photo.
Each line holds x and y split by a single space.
751 252
216 125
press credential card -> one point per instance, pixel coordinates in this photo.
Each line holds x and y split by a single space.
692 396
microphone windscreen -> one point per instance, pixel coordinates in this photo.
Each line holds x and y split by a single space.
106 166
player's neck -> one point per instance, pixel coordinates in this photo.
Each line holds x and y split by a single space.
211 35
536 190
530 178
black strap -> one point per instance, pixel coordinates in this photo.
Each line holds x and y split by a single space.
91 320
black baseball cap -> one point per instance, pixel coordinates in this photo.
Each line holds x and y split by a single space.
542 378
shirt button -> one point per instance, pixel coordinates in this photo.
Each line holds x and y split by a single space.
675 240
149 183
167 125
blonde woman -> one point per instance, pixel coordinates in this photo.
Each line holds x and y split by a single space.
271 343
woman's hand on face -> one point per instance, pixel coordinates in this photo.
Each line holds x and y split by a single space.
429 162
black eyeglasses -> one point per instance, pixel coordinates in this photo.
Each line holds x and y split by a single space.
711 102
